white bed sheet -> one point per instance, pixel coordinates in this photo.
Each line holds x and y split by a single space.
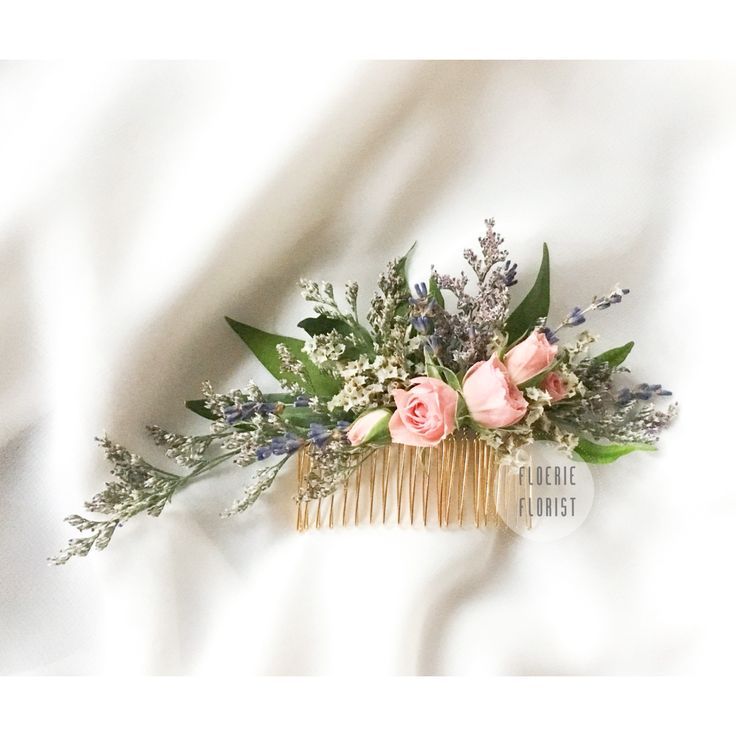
141 203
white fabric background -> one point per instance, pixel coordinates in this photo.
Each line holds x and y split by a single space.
142 202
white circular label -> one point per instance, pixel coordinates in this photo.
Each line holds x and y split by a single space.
546 496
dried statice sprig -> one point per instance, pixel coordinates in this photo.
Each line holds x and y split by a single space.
369 363
609 421
351 297
322 297
572 353
264 479
221 404
139 487
465 336
295 378
182 449
332 461
247 427
388 314
603 411
244 422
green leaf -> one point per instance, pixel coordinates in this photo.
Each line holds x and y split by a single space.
537 378
263 344
403 265
360 336
592 452
401 272
301 416
435 292
462 415
615 356
198 407
432 371
535 304
449 377
322 324
283 398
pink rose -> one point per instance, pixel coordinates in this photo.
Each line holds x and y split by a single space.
530 357
491 396
425 414
554 385
369 427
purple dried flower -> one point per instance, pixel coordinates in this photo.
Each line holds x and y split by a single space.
239 413
614 297
263 452
642 392
434 343
422 324
509 273
576 317
421 290
318 433
285 444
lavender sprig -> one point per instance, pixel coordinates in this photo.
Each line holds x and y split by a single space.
642 392
576 316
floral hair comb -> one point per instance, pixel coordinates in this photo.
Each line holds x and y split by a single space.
410 415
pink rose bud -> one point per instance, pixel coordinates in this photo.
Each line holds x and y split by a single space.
425 414
369 427
491 396
554 385
530 357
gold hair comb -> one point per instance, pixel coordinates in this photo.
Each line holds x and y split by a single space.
460 482
445 387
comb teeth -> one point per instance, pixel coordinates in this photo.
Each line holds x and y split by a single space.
459 483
